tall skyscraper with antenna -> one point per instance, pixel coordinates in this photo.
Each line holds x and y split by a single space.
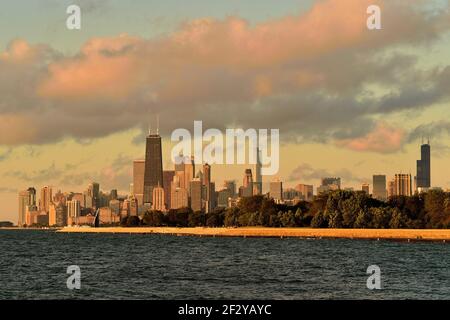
153 171
423 176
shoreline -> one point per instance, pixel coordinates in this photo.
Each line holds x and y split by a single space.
264 232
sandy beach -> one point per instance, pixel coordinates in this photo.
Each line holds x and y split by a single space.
393 234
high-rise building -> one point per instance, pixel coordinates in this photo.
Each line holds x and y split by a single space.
379 187
46 198
153 171
73 211
257 182
207 188
114 205
93 192
424 167
196 194
59 197
27 200
403 185
113 194
306 191
185 170
247 184
158 201
276 190
291 194
138 180
133 205
179 198
366 188
82 199
231 186
57 215
391 188
223 196
168 178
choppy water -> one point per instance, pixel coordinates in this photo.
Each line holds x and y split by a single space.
33 265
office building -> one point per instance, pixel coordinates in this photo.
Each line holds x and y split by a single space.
168 178
45 199
153 170
403 185
73 211
379 187
27 199
276 190
305 191
158 201
196 194
423 176
57 216
179 198
138 180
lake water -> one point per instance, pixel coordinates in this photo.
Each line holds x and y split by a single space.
33 265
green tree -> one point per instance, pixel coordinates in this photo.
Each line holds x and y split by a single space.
363 220
318 221
287 219
398 219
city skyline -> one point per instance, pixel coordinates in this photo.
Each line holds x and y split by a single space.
349 108
190 189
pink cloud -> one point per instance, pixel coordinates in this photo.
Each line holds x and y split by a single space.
383 138
116 67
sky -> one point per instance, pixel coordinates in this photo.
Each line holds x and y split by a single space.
75 105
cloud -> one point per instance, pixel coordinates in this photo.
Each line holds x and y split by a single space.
433 131
383 139
308 75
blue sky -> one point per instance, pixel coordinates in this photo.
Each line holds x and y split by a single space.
44 20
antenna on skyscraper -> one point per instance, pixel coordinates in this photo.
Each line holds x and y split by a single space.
157 124
149 123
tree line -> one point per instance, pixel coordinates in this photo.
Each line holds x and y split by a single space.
334 209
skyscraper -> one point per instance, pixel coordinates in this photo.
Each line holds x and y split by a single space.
57 215
27 201
113 194
207 188
153 171
247 184
257 182
306 191
231 186
379 187
179 198
45 199
167 179
196 194
93 194
276 190
73 211
424 167
391 188
402 185
138 180
158 201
